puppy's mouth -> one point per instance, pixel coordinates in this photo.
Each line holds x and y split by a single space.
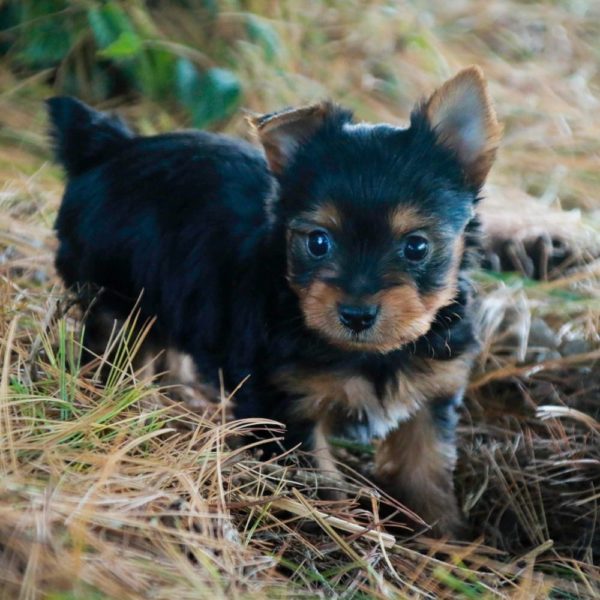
384 322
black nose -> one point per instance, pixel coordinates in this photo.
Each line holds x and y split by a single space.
357 318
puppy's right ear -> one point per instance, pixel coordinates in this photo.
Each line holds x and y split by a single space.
281 133
462 115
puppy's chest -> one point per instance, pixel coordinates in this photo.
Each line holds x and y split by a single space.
356 406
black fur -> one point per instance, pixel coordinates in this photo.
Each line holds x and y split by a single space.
198 222
72 124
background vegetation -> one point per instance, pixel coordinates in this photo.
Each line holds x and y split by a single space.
114 491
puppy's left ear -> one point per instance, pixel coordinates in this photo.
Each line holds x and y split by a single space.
282 133
463 118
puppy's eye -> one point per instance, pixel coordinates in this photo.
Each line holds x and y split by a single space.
318 243
416 248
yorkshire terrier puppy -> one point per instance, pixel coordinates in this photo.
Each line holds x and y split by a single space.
330 271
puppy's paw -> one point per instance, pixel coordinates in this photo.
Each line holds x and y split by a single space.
183 384
450 525
197 397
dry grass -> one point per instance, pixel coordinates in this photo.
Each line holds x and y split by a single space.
113 491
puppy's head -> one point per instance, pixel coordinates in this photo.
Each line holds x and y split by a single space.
375 215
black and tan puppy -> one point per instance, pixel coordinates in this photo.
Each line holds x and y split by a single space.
333 273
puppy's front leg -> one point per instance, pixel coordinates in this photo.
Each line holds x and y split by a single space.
415 462
325 463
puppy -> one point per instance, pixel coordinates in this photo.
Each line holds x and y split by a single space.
330 271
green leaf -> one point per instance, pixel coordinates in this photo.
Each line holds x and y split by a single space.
265 36
209 96
187 81
153 72
108 24
45 37
128 44
46 46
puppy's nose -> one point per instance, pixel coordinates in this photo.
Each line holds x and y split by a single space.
357 318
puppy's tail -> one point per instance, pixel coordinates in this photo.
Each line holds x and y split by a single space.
83 137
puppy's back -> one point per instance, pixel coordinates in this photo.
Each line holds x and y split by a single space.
175 215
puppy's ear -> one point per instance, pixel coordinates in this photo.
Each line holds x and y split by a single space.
281 133
463 118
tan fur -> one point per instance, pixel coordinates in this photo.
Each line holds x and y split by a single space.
415 466
329 392
180 367
325 215
147 362
412 463
404 314
325 462
282 132
322 392
406 219
181 377
461 100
